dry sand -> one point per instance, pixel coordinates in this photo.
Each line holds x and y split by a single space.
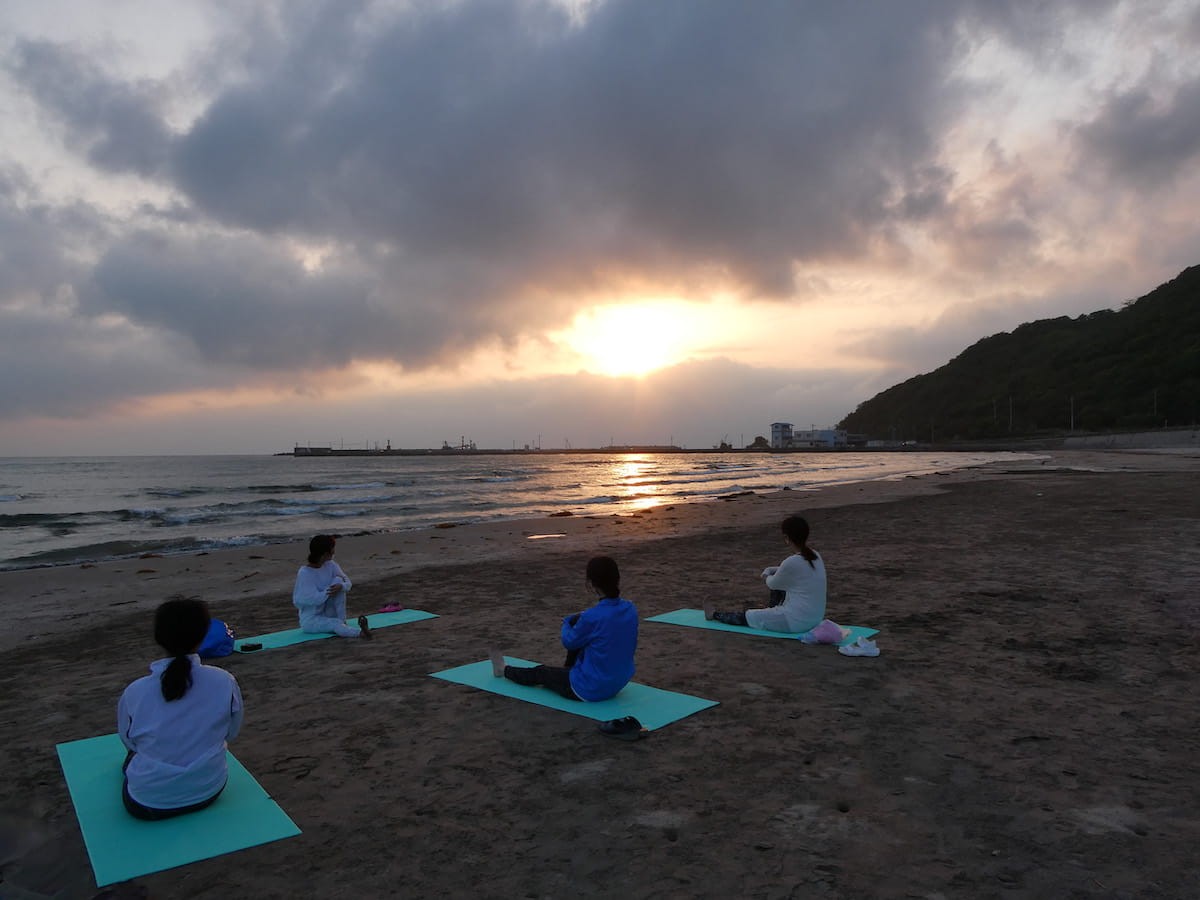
1028 731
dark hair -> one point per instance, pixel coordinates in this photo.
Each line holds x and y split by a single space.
180 625
796 530
319 546
603 573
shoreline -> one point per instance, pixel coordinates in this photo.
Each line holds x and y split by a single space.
1022 733
230 576
142 538
227 577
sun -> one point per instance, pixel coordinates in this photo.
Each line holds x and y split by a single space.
632 339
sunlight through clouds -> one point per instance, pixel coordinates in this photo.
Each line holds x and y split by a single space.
634 339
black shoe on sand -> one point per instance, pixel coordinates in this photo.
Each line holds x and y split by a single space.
364 628
626 729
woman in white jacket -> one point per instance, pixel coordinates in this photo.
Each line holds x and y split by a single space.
802 579
176 721
320 593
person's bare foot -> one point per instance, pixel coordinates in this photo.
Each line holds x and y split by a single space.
364 628
710 610
497 659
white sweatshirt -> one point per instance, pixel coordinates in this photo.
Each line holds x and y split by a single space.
804 607
179 745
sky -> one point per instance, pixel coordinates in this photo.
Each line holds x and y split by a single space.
230 226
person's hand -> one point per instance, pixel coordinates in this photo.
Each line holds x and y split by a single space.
769 571
334 588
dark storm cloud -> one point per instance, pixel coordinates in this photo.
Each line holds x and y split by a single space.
238 300
655 137
1145 139
63 366
243 300
31 262
118 125
514 145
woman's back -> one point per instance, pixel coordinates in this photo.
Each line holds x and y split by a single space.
178 745
804 607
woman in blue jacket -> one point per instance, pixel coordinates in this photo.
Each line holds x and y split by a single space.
600 644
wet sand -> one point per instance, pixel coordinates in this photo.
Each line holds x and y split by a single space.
1029 729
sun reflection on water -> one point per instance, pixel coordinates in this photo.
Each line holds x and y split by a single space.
630 476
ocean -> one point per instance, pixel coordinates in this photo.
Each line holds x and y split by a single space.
66 511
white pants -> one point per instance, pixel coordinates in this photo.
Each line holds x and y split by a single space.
331 617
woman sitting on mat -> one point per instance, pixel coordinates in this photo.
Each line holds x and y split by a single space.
600 643
320 593
802 579
175 721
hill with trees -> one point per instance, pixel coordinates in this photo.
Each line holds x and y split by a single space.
1128 369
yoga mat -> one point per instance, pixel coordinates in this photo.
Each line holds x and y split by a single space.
694 618
651 706
122 847
295 636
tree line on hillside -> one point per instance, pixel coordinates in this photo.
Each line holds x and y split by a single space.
1133 368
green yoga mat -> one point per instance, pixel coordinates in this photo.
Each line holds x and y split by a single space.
694 618
651 706
295 636
122 847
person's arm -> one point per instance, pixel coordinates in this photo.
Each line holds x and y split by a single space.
124 723
235 711
307 593
577 631
342 576
783 578
769 571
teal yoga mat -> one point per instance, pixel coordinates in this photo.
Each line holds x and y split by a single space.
122 847
694 618
651 706
295 636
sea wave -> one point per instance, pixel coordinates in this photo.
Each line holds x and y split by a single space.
86 509
27 520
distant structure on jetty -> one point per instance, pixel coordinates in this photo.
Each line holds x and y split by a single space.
471 450
783 440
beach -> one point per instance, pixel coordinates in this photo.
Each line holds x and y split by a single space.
1029 728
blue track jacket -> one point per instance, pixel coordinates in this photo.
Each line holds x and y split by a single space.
606 637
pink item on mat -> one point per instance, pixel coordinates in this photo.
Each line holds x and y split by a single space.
826 633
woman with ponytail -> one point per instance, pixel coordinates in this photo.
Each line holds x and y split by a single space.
600 643
175 721
801 577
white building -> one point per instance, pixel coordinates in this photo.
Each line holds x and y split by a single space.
784 438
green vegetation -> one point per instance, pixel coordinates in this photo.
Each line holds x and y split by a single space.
1135 368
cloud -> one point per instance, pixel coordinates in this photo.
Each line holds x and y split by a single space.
662 138
327 184
1144 139
118 124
